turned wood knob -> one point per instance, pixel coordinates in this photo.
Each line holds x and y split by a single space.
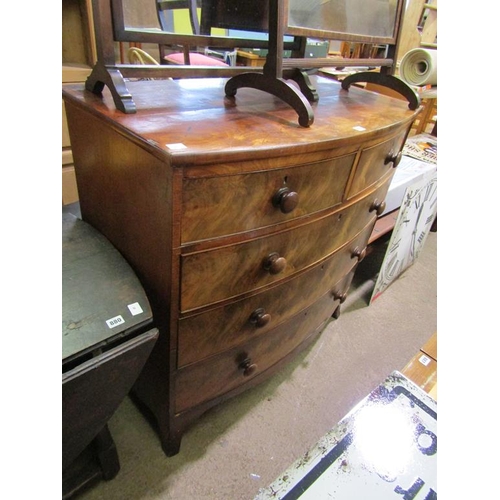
340 296
394 158
260 318
248 367
285 199
274 263
378 206
359 253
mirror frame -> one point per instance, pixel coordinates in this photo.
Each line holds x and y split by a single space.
109 24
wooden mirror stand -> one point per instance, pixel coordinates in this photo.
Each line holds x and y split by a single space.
275 77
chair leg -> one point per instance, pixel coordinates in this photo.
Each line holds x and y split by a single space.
185 50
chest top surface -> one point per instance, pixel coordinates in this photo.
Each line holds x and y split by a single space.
191 120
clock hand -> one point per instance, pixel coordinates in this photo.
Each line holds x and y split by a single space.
415 229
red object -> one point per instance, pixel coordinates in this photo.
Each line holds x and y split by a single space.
195 59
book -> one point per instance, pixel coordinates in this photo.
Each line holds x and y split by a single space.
422 147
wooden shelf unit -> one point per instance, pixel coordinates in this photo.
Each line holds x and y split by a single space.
79 55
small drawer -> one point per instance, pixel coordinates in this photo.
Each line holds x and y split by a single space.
220 374
205 334
237 269
375 162
223 205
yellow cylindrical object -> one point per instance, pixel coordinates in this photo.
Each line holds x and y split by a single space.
419 67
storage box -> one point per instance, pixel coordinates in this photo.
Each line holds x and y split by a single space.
408 172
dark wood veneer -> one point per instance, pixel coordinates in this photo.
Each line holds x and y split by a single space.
239 278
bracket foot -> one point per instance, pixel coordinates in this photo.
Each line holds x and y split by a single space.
277 87
388 81
111 77
304 82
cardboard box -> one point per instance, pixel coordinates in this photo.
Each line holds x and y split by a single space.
408 171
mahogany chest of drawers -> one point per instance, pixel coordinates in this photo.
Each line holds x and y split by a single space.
243 227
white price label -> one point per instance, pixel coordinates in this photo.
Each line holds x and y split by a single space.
178 146
113 322
425 360
135 308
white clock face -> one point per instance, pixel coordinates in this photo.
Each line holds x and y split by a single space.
426 204
417 213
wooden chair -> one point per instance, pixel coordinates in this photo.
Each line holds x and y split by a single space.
138 56
186 56
428 117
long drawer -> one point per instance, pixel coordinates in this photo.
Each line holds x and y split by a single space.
236 269
222 205
208 333
220 374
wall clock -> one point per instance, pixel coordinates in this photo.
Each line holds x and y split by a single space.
416 215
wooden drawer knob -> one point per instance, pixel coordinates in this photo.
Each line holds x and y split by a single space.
378 206
274 263
248 367
393 158
260 318
340 296
359 253
285 200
